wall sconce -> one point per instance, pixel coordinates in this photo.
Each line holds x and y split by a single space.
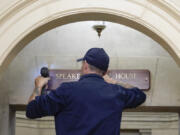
99 28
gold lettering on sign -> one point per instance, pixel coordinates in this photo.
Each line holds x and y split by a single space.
59 76
69 76
125 76
72 76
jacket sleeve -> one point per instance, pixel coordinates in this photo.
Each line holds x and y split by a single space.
47 105
133 97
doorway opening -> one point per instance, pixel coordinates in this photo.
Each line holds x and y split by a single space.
60 47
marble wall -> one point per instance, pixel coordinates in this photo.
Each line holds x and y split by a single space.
127 48
60 47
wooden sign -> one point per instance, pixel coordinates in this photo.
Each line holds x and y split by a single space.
138 78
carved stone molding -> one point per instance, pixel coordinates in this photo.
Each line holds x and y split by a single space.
131 120
145 132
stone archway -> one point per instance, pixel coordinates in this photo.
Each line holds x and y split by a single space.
38 17
27 19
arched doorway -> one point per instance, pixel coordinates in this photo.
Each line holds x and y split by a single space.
47 15
23 27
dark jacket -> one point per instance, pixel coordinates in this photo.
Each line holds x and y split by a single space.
89 106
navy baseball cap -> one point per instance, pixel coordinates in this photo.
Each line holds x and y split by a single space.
96 57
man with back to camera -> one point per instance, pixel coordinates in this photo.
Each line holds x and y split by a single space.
90 106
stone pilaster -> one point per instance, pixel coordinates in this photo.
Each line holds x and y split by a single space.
7 117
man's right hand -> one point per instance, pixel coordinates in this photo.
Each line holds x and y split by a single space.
41 81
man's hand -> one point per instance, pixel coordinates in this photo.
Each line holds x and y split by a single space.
108 79
39 83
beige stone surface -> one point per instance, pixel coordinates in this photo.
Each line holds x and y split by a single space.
44 11
165 132
167 93
128 49
4 117
163 26
148 123
60 47
7 116
19 18
34 131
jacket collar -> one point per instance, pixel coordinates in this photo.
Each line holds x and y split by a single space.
90 76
